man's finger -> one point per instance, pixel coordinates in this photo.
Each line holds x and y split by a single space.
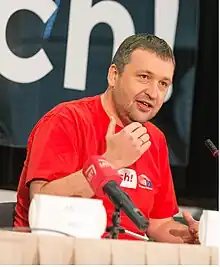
145 147
139 133
188 218
132 127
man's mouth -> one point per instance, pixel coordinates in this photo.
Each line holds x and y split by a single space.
144 105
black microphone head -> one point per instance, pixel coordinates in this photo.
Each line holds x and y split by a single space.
212 148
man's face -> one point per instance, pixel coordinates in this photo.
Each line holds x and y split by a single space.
139 91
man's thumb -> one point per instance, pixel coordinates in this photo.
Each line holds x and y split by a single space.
111 127
188 218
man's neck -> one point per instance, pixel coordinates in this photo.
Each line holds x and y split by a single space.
109 106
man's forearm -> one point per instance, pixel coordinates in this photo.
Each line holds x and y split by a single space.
170 232
72 185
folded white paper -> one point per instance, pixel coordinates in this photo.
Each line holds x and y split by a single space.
209 228
79 217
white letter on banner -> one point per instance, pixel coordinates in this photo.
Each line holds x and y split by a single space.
83 17
12 67
166 17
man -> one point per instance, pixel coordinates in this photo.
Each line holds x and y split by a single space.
62 141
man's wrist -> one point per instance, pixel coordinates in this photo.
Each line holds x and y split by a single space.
115 163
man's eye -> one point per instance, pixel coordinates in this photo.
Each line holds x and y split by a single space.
164 84
143 76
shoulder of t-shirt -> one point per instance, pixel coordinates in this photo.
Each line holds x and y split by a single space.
68 111
72 107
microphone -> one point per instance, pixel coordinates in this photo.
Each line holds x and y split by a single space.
104 179
213 149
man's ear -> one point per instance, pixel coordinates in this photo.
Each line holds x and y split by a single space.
112 75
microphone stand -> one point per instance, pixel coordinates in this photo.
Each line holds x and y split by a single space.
115 229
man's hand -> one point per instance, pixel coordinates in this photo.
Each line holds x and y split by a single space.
171 231
193 228
127 146
188 233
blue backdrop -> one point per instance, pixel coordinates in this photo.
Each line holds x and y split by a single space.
22 104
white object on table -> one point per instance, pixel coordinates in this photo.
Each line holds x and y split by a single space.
79 217
209 228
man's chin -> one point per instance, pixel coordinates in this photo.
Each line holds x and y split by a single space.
141 119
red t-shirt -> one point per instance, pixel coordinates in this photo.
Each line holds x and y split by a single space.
69 134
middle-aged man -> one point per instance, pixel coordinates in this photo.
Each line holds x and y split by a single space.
115 125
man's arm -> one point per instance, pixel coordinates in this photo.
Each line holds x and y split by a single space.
72 185
162 227
54 154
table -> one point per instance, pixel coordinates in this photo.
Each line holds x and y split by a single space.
30 248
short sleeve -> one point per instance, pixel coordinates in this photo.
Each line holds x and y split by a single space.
52 153
165 204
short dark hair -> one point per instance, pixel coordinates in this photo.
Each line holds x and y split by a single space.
141 41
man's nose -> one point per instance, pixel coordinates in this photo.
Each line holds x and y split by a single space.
152 90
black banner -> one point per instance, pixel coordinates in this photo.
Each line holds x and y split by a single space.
55 51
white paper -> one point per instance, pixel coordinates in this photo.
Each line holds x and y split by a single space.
79 217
